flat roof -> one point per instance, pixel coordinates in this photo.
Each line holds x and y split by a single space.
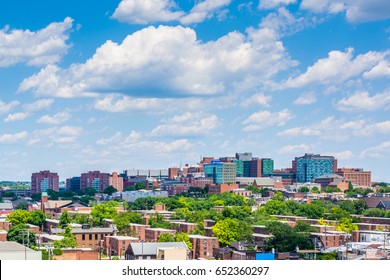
201 236
121 237
13 246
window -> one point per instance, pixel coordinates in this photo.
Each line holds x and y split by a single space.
83 237
90 236
96 236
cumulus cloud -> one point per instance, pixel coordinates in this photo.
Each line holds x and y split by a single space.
38 48
294 149
362 101
6 107
270 4
356 10
16 117
56 134
12 138
147 11
331 128
381 150
54 119
306 99
257 99
343 155
262 119
167 60
39 105
337 68
203 10
187 124
382 70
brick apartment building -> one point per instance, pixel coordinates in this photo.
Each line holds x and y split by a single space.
152 234
43 181
137 230
222 188
117 245
356 176
116 181
88 237
203 246
183 227
95 179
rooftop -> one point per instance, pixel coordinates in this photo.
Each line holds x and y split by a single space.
151 247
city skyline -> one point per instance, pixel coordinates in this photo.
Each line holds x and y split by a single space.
155 83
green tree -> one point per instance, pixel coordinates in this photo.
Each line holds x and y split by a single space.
156 220
166 237
110 190
231 230
69 240
181 214
276 207
350 187
22 206
286 238
18 233
346 225
37 218
304 189
140 186
90 191
19 217
123 219
65 220
278 196
103 211
80 218
315 190
183 237
330 189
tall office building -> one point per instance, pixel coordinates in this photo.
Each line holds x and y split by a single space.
255 168
116 181
239 167
43 181
73 184
244 156
267 167
96 180
311 166
221 172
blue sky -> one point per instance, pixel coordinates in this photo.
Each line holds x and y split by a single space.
112 85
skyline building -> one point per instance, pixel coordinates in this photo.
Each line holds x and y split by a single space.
311 166
43 181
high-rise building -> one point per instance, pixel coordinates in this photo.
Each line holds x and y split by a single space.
43 181
95 179
73 184
244 156
267 167
311 166
255 168
356 176
239 167
173 172
116 181
221 172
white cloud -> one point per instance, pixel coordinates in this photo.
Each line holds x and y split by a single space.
113 139
168 60
39 105
379 151
5 108
339 130
270 4
187 124
257 99
38 48
203 10
262 119
343 155
382 70
294 149
306 99
62 134
55 119
356 10
12 138
362 101
300 131
16 117
337 68
146 11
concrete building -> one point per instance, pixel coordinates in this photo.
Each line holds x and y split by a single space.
356 176
134 195
151 251
96 180
159 174
311 166
43 181
244 156
116 181
221 172
203 246
10 250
